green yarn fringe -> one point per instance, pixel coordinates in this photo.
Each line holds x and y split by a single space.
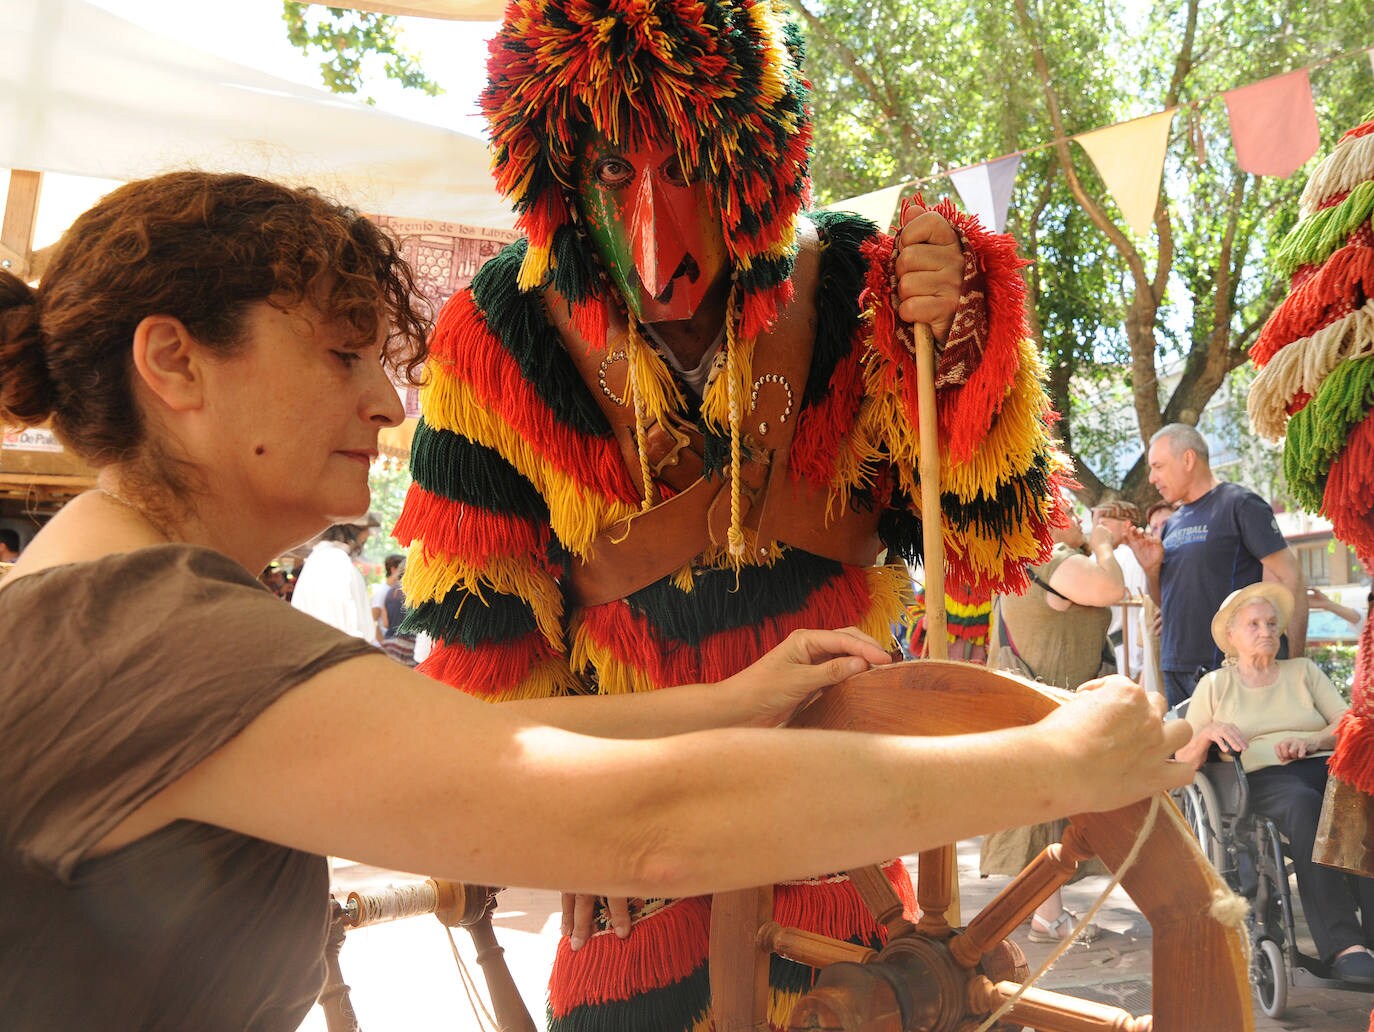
1317 434
1317 237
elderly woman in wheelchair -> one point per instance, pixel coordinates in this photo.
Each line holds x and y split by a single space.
1279 717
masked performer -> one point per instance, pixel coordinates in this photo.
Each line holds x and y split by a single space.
1317 358
678 419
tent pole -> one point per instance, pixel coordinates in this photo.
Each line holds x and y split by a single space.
21 214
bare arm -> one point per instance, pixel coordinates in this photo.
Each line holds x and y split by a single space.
1316 599
764 694
1095 581
1283 566
1149 553
372 761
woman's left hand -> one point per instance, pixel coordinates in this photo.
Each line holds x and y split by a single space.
1293 749
804 663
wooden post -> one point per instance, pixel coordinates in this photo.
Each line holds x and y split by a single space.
21 214
933 542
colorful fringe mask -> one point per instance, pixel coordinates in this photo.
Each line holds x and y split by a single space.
720 79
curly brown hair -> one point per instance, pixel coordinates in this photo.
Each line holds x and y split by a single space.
202 247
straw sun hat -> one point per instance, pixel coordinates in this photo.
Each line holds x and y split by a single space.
1275 594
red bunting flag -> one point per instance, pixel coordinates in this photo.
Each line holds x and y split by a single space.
1274 124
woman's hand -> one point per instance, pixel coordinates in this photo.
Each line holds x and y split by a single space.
1227 736
1122 743
1295 749
796 669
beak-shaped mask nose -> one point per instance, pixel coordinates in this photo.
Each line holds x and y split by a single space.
657 238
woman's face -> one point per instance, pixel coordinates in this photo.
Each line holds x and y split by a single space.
293 418
1255 631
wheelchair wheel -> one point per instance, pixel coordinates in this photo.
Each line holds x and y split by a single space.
1202 810
1270 978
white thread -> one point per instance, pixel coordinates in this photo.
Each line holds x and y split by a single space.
1067 942
474 995
394 903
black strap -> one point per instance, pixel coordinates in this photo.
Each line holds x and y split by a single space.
1041 584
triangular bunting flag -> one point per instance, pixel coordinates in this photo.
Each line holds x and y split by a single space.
1130 159
878 206
1274 124
986 189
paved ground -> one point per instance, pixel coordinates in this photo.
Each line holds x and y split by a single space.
404 977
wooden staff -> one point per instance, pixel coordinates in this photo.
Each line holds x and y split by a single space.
937 872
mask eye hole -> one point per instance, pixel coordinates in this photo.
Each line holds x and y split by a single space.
615 173
674 173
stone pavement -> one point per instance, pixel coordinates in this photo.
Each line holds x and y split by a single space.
404 978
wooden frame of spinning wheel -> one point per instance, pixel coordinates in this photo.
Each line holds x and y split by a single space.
1199 966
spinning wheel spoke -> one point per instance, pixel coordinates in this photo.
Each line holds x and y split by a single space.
935 890
1049 871
1053 1012
931 978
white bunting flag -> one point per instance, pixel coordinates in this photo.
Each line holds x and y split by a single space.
986 189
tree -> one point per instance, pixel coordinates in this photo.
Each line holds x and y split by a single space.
903 88
345 38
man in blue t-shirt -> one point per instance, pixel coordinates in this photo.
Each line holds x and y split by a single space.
1222 537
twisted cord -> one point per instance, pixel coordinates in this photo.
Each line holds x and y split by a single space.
1067 942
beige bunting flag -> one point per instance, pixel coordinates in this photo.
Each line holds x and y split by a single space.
1130 159
879 206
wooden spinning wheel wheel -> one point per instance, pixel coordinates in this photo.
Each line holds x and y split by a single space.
933 978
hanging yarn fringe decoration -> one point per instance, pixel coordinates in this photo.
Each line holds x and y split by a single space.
1317 358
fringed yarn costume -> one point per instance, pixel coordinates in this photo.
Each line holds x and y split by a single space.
522 480
1316 381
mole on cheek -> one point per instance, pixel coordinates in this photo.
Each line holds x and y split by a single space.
260 450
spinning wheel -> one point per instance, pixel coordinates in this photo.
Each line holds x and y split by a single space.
934 978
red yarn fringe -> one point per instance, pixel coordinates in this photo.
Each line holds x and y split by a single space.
825 425
1353 761
664 948
968 411
1348 499
473 355
1340 286
489 669
633 641
1364 129
449 529
835 908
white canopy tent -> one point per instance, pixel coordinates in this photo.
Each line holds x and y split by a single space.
87 93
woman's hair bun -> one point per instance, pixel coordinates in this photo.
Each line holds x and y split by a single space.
27 393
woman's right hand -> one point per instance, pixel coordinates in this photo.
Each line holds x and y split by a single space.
1123 746
1227 736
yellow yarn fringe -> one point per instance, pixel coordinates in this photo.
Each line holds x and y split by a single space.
891 591
432 579
577 515
613 676
549 679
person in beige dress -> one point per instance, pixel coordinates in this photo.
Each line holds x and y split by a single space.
1056 633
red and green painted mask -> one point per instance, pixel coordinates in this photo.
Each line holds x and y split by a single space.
652 224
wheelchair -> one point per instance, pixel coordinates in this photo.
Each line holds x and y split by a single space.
1248 851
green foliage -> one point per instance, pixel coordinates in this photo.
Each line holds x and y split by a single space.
1136 333
389 481
347 39
1338 663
